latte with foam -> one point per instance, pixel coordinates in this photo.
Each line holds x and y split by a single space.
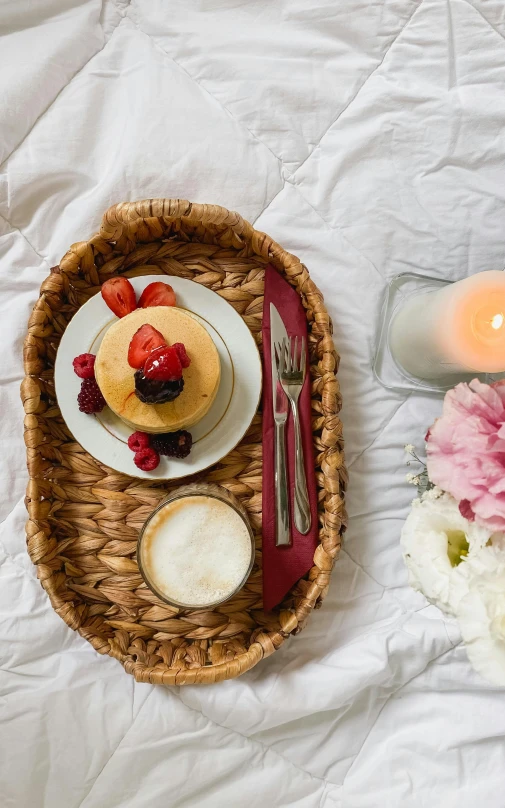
195 551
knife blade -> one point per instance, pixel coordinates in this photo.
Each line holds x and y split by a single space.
280 407
278 333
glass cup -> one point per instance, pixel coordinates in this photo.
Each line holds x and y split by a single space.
195 490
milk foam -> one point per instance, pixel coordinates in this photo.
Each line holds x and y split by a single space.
196 550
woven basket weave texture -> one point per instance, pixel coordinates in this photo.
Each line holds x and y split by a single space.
84 518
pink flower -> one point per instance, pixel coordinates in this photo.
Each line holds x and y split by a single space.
466 451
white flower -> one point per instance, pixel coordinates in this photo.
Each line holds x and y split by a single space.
481 614
436 541
411 478
410 448
434 493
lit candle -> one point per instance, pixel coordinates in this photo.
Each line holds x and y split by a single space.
457 329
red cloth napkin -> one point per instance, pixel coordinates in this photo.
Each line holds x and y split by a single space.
283 566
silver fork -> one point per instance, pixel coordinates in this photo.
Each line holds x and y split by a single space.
292 376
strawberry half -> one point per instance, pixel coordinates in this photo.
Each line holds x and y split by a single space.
119 295
157 294
145 340
163 364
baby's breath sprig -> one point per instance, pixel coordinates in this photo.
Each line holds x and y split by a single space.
420 479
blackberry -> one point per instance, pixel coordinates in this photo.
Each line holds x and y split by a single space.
150 391
90 398
173 444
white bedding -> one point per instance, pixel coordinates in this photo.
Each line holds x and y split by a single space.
369 139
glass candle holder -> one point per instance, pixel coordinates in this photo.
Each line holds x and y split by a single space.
196 549
457 329
403 288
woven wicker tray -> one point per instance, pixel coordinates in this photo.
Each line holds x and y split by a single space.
84 518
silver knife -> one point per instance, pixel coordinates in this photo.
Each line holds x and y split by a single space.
280 407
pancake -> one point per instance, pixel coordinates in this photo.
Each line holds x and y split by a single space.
116 380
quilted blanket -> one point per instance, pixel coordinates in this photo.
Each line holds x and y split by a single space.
367 138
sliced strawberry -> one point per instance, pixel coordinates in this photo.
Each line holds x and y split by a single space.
157 294
163 364
145 340
181 352
119 295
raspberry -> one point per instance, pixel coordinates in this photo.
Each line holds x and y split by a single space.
173 444
84 365
181 353
90 398
146 459
150 391
138 441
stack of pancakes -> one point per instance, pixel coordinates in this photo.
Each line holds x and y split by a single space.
116 379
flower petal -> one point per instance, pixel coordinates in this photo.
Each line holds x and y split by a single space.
425 540
481 614
466 449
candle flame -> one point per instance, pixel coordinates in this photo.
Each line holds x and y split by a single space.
497 321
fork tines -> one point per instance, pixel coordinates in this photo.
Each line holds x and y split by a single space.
289 359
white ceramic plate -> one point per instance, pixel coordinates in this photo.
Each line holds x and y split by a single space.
105 436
